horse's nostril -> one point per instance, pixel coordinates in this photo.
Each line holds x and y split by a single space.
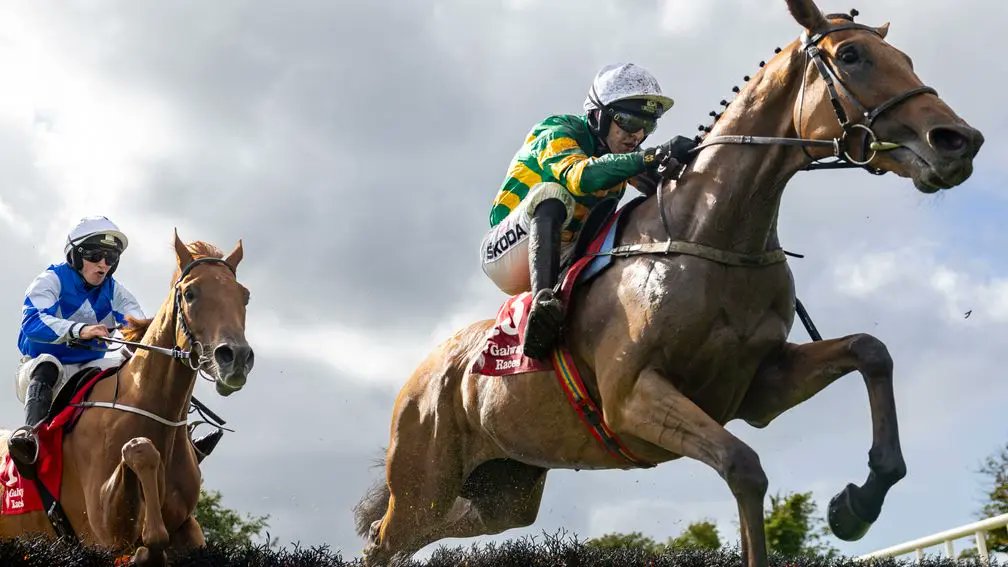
948 140
224 355
250 359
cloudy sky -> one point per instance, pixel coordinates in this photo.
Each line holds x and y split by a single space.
355 148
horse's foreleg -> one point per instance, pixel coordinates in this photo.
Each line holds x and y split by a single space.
658 413
796 374
133 492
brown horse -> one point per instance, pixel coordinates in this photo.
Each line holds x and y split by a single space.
130 481
674 345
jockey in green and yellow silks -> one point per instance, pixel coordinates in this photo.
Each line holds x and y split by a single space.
567 165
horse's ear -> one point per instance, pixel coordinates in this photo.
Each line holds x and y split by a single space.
182 254
807 14
235 256
883 30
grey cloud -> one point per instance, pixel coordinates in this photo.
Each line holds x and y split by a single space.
358 167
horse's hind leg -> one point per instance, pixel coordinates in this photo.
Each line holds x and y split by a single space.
796 374
424 475
498 495
136 489
658 413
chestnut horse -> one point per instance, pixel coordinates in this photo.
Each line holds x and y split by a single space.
130 482
674 345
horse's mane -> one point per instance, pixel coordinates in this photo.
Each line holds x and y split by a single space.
200 249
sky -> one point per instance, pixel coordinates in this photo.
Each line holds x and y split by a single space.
355 148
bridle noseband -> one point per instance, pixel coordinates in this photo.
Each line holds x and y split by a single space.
810 45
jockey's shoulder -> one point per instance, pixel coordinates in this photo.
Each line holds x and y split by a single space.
573 124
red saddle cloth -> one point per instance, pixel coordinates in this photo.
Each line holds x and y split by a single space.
19 495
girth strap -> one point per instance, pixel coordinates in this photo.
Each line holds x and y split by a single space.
570 381
725 257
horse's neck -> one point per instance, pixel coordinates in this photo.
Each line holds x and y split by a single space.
154 381
730 195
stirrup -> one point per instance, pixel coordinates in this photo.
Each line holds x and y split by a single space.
543 327
24 432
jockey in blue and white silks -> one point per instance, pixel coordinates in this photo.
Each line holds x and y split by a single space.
75 300
59 304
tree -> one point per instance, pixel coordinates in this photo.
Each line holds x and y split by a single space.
224 526
792 527
702 535
995 467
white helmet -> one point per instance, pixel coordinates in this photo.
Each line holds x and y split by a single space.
625 81
94 226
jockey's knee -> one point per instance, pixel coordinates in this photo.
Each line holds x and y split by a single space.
45 372
504 250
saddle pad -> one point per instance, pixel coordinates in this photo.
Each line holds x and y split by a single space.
19 495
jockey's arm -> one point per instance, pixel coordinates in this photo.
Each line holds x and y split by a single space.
38 321
567 161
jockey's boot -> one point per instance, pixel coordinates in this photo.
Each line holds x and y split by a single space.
542 330
23 443
205 445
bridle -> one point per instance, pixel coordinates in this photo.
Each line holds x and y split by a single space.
194 358
810 45
843 159
191 358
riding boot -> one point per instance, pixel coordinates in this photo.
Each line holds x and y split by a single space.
205 445
23 443
542 330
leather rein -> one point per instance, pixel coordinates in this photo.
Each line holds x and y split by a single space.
810 45
194 358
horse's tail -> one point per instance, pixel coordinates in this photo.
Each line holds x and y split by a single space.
372 506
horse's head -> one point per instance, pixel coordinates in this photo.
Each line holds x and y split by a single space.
915 133
210 305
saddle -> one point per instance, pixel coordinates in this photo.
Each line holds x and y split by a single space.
66 391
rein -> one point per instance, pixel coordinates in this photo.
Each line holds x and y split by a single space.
810 45
191 358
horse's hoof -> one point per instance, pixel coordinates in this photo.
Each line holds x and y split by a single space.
146 557
845 521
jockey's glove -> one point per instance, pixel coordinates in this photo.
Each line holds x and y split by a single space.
677 149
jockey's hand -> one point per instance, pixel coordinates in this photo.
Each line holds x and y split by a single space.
677 149
647 182
94 332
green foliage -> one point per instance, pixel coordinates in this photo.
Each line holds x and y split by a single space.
995 468
224 526
699 535
793 528
630 540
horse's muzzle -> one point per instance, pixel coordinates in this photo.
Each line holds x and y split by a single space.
234 361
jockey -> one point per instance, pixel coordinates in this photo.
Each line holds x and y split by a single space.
75 300
567 165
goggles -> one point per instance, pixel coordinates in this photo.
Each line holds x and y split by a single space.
631 123
96 255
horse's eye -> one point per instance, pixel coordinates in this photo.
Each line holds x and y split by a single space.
849 56
189 295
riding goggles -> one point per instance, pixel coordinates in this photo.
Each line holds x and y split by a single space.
631 123
97 254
